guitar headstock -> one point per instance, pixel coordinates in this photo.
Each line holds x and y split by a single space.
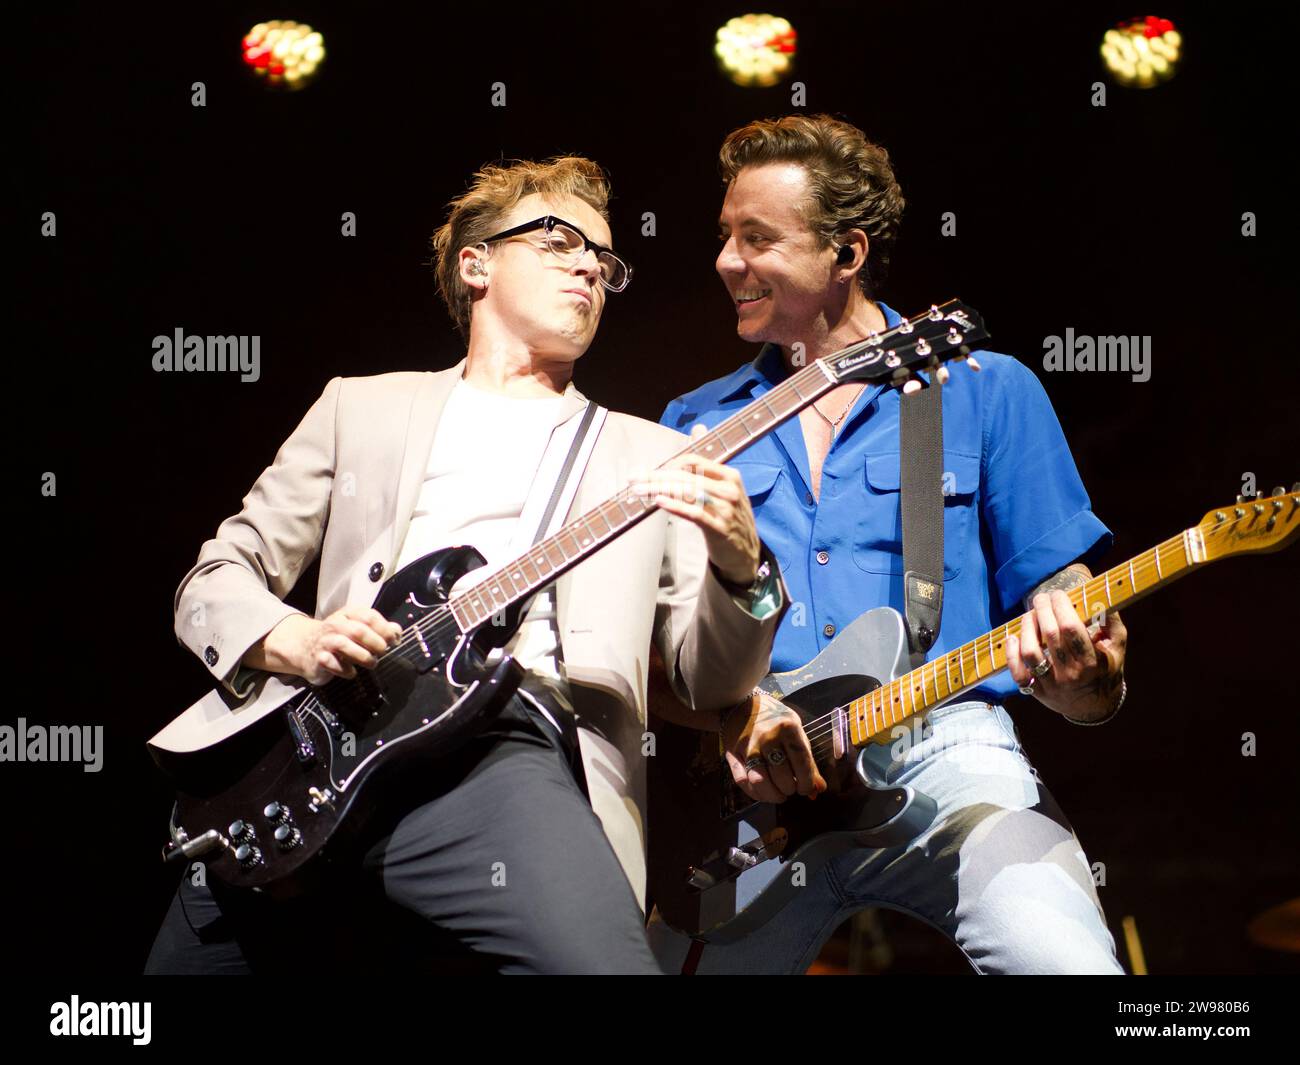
1258 523
945 332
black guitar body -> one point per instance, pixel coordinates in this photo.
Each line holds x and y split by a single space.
294 793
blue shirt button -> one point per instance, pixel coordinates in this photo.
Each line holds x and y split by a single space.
823 557
808 498
828 629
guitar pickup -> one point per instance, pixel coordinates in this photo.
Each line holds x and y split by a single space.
302 745
331 720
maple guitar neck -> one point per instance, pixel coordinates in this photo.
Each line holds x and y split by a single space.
1251 525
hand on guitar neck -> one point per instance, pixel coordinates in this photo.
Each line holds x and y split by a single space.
1067 668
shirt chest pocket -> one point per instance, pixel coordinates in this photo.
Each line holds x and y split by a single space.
760 480
878 534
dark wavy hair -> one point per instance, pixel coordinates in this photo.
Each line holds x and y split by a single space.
851 180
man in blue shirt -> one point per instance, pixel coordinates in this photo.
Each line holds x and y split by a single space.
809 218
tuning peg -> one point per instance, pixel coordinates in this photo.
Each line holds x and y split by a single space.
1280 490
1241 498
941 375
912 385
973 363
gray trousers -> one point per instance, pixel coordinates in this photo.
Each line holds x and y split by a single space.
503 868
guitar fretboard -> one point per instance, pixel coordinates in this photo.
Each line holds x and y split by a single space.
556 554
871 717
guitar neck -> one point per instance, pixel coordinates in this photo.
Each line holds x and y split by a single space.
559 553
874 715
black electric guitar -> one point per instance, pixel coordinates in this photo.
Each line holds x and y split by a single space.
721 864
272 801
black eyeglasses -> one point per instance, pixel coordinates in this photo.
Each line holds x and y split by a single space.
569 244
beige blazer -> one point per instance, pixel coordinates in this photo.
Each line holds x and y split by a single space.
344 485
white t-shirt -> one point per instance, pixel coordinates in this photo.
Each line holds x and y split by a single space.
481 465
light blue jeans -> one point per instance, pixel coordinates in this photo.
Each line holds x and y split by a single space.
1000 871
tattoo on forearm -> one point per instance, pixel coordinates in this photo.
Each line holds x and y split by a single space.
1072 576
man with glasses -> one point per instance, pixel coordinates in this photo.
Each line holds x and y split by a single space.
525 851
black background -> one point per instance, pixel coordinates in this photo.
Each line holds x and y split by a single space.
1123 219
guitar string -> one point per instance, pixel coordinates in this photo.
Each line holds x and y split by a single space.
821 730
788 390
437 627
825 726
815 727
439 621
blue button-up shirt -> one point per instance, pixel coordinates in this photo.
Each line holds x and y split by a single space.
1015 511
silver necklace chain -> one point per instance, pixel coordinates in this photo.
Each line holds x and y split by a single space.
836 423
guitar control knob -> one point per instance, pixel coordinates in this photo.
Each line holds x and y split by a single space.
276 813
287 837
247 856
240 832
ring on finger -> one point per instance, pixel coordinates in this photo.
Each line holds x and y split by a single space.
775 756
755 762
1042 668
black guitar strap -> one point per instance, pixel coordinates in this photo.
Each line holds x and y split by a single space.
588 416
920 456
559 725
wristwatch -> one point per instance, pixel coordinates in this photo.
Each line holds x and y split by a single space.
763 592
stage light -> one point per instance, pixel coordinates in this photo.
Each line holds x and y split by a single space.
1142 52
756 49
284 53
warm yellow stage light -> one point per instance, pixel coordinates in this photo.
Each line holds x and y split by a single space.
1143 52
284 52
756 49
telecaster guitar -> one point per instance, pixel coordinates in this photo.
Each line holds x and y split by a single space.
721 865
270 801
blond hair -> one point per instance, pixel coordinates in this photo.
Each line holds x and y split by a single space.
492 193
